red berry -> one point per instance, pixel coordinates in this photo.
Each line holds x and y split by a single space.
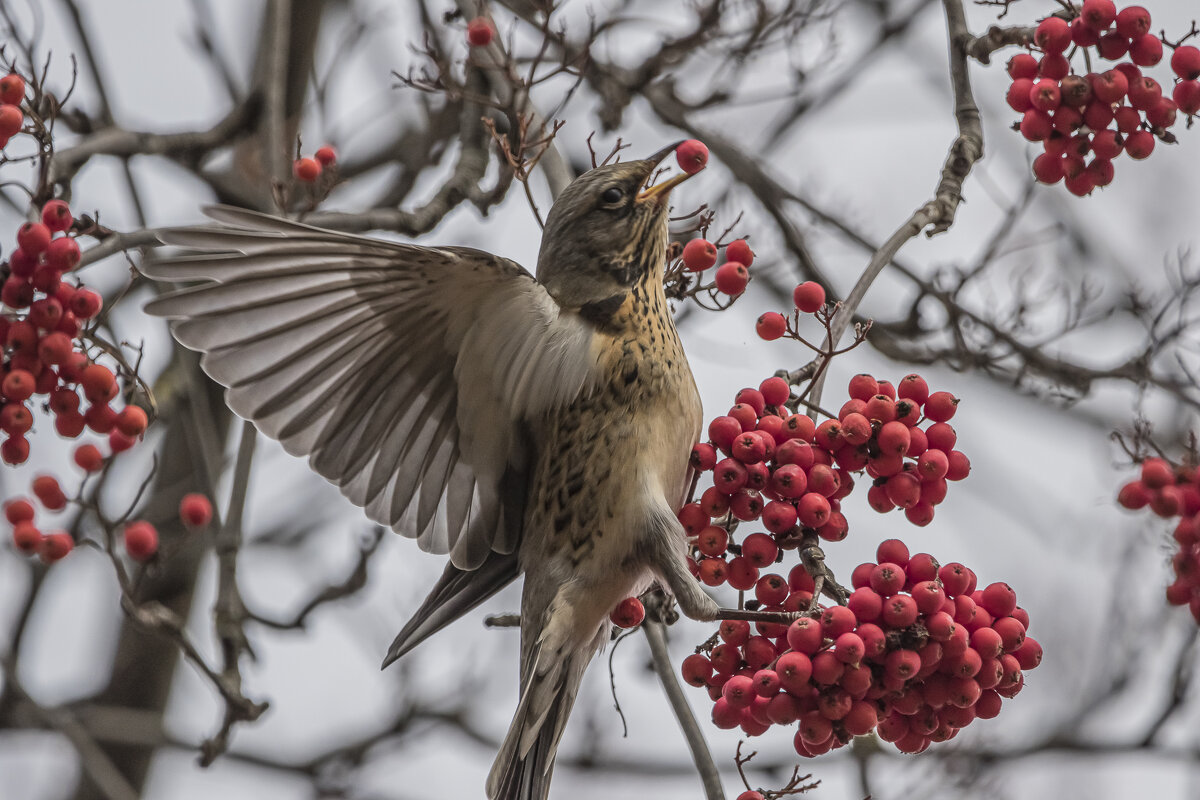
1081 184
863 387
1139 144
1133 22
89 458
11 120
887 579
56 546
18 510
1157 473
699 255
691 156
1036 125
1144 93
775 391
760 549
1054 66
1187 96
326 156
1045 95
999 599
1048 168
63 254
26 537
12 89
306 169
738 250
1084 35
771 326
1053 35
97 382
866 604
1076 92
1146 50
732 277
1162 113
15 419
1098 14
480 32
1109 87
1029 654
33 238
1185 61
1018 96
132 421
629 613
894 438
1112 46
696 669
56 214
777 517
18 385
960 465
47 490
809 296
85 303
941 406
141 540
1022 65
1106 144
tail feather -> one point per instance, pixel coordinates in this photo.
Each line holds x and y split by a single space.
456 592
525 762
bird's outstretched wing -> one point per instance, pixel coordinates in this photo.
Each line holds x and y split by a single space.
405 374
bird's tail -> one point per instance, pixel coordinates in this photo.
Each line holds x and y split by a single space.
525 762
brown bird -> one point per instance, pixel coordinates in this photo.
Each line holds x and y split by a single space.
522 426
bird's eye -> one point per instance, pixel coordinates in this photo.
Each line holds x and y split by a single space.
613 195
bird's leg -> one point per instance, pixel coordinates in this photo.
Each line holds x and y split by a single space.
693 601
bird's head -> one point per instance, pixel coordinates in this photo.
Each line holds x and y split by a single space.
606 232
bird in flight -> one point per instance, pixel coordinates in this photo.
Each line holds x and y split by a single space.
521 426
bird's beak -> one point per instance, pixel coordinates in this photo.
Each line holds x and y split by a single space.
659 192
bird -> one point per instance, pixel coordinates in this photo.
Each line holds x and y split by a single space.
537 426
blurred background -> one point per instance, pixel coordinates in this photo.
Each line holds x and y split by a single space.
829 123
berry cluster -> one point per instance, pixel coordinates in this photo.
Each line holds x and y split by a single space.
731 277
792 474
808 297
43 355
139 537
917 654
12 118
1100 114
1173 492
309 169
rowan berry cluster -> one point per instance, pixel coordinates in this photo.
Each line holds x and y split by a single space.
731 277
309 169
792 474
1170 492
808 297
12 118
918 653
43 354
1084 122
139 538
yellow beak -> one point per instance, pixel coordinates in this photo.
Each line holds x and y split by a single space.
659 192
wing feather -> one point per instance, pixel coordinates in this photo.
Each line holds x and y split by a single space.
406 375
